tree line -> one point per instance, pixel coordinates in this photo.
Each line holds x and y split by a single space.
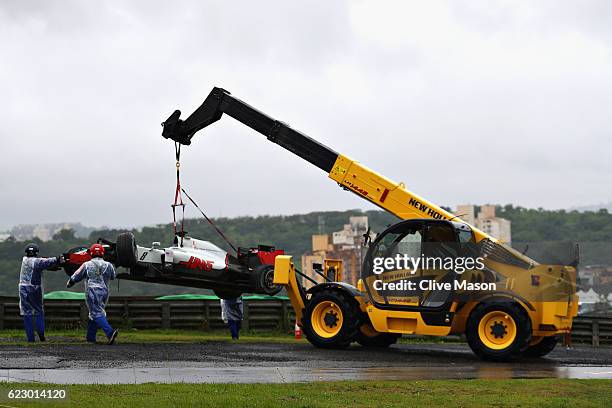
293 234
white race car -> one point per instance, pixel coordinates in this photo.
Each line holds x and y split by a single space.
189 262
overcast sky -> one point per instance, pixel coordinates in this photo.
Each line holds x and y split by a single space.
465 102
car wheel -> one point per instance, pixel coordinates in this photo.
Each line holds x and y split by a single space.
70 269
125 250
541 346
264 275
498 331
331 319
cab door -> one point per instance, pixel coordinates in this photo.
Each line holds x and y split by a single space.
440 249
396 271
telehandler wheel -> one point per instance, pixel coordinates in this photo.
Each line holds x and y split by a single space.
368 337
541 346
125 250
331 319
498 331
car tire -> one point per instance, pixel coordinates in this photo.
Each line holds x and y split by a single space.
264 280
331 319
126 252
542 347
70 269
498 331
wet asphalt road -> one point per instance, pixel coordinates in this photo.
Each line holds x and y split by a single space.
274 362
267 354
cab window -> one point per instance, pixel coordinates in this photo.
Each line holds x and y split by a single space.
441 241
404 241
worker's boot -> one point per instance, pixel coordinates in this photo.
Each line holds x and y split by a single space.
113 337
111 334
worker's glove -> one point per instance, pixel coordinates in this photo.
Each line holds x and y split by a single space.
70 283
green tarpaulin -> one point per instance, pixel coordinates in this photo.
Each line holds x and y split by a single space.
212 297
187 296
264 297
65 295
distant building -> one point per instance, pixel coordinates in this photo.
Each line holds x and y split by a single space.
42 232
45 232
352 233
595 276
320 242
599 297
345 245
590 301
585 278
483 217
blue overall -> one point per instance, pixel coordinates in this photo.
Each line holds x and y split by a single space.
96 273
31 294
231 313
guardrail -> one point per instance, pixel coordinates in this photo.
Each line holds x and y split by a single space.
595 330
148 313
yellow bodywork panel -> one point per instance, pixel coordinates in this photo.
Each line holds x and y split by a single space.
334 266
387 194
284 274
402 322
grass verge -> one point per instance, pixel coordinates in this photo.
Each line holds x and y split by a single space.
17 337
449 393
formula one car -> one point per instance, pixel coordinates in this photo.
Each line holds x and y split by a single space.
189 262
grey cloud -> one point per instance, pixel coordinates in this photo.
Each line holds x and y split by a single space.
476 102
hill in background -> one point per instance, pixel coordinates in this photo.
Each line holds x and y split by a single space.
293 234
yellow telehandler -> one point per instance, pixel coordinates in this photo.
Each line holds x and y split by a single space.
506 304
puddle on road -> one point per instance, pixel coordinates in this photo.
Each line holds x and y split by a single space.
295 374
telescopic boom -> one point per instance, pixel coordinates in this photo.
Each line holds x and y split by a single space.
349 174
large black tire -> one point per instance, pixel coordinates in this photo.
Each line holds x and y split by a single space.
70 269
263 280
331 319
498 331
125 250
367 337
542 348
227 294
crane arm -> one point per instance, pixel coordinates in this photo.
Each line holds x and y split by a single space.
220 101
349 174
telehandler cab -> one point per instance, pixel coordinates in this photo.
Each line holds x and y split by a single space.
519 306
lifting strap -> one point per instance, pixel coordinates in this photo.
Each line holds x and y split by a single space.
221 234
178 202
178 198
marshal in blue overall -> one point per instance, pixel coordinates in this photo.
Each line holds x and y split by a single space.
96 273
31 290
